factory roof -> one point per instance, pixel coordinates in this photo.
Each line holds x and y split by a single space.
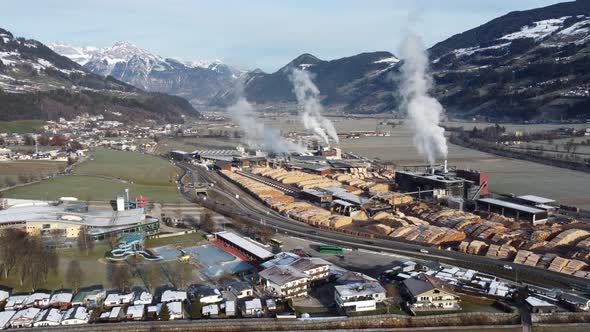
211 153
510 205
244 244
344 195
537 199
359 289
317 193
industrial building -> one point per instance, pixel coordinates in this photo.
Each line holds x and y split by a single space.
438 184
245 247
511 209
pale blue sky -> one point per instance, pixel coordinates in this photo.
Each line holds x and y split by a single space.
250 33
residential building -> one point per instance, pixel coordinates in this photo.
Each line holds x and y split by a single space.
16 302
24 317
143 297
241 289
316 268
359 296
173 296
48 317
205 294
89 297
230 308
211 310
61 300
135 312
5 317
427 293
176 310
285 281
112 300
39 300
75 315
252 307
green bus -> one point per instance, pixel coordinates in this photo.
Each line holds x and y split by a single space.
330 249
276 243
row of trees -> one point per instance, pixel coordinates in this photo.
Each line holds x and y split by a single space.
26 258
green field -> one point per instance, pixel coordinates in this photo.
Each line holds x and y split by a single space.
12 172
20 127
130 166
109 173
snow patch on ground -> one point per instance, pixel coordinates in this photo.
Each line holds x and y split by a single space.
472 50
582 27
390 60
538 30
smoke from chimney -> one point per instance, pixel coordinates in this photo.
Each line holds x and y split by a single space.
310 108
256 134
424 112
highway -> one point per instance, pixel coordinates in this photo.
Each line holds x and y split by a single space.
251 210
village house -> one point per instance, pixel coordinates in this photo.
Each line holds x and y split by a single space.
24 318
61 301
142 297
359 296
285 281
16 302
173 296
252 307
427 293
5 317
48 317
75 315
241 289
39 300
135 312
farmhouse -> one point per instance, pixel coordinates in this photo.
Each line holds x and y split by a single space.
427 293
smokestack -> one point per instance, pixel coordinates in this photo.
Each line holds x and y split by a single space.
446 170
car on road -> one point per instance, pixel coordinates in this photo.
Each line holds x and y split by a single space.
424 251
508 267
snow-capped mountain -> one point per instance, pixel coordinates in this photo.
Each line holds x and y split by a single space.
197 81
525 65
38 83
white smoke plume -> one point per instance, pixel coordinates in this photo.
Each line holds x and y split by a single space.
424 111
310 108
256 134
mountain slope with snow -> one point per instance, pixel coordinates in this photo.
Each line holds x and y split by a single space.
38 83
355 84
525 65
196 81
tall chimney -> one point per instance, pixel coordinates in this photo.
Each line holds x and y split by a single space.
445 170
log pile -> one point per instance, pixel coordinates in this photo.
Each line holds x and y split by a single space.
568 237
503 251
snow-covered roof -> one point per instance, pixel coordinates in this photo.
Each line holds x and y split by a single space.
135 311
25 314
535 302
254 304
127 298
49 315
230 306
115 313
175 308
144 298
61 298
537 199
113 298
78 313
172 296
37 297
5 317
211 309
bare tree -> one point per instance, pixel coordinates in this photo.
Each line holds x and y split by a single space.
85 242
74 275
206 222
120 276
180 274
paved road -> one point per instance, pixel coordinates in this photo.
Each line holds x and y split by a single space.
253 210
